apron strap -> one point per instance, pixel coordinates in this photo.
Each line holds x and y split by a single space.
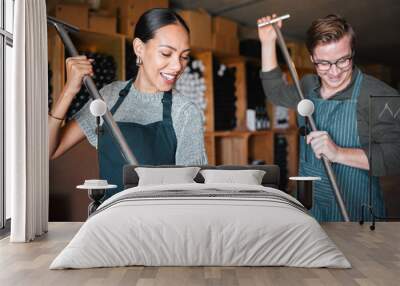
122 95
357 86
166 101
167 106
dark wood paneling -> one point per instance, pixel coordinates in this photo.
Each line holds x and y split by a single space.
391 194
71 169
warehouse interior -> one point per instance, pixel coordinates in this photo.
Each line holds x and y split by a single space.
224 40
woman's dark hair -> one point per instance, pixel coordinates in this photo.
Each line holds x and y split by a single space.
154 19
331 28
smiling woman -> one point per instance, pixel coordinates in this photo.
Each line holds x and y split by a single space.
161 126
163 48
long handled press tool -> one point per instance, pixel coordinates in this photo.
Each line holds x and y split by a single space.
63 29
295 77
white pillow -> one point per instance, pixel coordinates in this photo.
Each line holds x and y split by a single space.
248 177
165 176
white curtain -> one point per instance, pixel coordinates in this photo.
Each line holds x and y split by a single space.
27 171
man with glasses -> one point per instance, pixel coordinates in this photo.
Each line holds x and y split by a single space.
340 94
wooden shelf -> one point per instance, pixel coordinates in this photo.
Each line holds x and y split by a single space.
88 31
230 133
241 87
209 143
231 150
285 130
261 146
207 58
241 146
236 133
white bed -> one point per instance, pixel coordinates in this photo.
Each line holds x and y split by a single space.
271 229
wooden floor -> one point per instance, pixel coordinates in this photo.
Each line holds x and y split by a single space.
375 256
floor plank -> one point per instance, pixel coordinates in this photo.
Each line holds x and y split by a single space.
375 257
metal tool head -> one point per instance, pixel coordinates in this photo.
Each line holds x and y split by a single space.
274 20
305 107
57 23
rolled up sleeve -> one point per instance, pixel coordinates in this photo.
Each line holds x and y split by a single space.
277 90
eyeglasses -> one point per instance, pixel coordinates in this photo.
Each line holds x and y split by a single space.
342 63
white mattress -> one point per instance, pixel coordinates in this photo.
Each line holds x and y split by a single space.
189 231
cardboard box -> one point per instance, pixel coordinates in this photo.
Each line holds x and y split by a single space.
225 45
305 58
294 49
299 54
130 11
74 14
103 24
379 71
224 26
200 25
112 5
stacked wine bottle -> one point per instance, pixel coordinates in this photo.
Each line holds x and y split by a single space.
224 96
192 84
255 96
105 69
281 114
280 158
281 117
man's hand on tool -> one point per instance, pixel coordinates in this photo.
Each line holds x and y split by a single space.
77 68
322 144
267 33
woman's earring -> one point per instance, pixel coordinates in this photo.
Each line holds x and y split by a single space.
138 61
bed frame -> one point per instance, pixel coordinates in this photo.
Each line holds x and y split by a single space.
270 179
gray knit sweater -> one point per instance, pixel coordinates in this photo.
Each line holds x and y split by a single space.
144 108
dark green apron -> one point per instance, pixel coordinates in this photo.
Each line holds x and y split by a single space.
339 119
152 144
